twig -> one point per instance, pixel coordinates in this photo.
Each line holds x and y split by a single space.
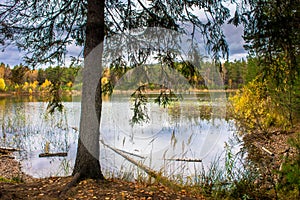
7 156
60 154
184 160
264 149
7 150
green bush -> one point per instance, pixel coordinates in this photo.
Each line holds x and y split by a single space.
289 184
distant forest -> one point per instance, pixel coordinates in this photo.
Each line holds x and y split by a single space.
21 79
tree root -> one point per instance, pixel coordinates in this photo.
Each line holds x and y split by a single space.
75 180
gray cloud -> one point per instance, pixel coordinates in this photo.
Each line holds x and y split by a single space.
234 38
12 56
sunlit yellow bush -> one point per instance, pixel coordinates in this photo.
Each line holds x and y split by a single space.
34 85
104 80
28 87
2 84
25 86
46 85
17 87
69 84
254 110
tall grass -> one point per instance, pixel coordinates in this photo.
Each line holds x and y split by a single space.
229 176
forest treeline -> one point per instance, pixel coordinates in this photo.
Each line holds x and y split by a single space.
22 79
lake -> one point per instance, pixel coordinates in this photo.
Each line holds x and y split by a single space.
173 139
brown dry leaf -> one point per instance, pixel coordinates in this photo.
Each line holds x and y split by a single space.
183 192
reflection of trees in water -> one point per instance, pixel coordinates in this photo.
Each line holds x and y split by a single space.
193 107
2 115
191 112
26 126
183 128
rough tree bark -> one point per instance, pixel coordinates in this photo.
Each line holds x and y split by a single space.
87 163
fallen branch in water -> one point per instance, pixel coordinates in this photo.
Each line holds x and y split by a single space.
7 150
184 160
132 154
60 154
7 156
163 180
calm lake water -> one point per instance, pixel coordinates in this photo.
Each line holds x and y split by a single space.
193 128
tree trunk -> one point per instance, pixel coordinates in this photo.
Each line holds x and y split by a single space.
87 163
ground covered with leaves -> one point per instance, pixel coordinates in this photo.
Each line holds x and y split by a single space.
50 188
16 185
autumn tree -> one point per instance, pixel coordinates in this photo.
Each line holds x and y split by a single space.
31 76
18 74
2 70
2 85
272 35
44 29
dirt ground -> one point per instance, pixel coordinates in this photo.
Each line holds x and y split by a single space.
272 147
50 188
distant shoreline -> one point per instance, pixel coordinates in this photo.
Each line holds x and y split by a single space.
78 93
185 92
5 94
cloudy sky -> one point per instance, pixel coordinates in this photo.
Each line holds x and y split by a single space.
235 41
13 57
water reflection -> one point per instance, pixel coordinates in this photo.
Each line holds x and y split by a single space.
185 130
26 126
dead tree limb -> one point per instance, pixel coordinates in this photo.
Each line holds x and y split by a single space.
60 154
163 180
7 150
184 160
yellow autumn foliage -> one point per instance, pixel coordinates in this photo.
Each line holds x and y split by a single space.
45 85
34 85
254 109
28 87
2 84
25 86
69 84
104 80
